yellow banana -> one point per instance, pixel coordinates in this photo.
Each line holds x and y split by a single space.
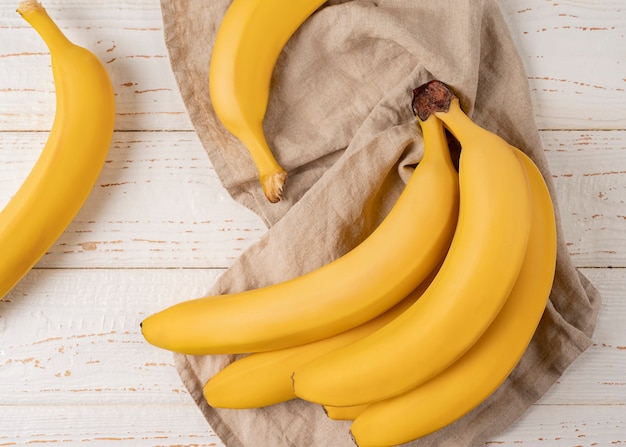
469 290
264 378
71 160
345 293
480 371
248 42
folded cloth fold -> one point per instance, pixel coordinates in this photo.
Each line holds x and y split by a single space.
339 120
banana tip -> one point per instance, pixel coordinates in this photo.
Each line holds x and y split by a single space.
273 185
28 6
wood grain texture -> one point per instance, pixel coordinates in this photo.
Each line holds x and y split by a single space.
53 361
589 172
159 228
108 425
127 37
574 54
157 203
139 215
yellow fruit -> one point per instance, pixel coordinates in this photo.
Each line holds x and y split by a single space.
480 371
264 378
469 290
248 42
71 160
343 294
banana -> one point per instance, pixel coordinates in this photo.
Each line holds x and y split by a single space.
71 160
264 378
247 45
471 287
347 292
480 371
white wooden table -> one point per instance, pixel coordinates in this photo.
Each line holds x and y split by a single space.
159 228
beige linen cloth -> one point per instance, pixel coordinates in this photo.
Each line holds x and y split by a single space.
340 122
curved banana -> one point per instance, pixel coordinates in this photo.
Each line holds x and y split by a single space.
248 43
345 293
264 378
469 290
71 160
480 371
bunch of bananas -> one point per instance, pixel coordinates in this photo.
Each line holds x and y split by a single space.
415 326
71 160
351 290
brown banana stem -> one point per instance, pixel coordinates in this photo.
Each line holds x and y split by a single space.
431 97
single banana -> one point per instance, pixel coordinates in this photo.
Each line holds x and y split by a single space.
247 45
71 160
347 292
469 290
480 371
264 378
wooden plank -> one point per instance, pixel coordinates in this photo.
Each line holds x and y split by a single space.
589 171
146 425
106 425
553 39
75 369
573 54
597 376
126 36
566 426
159 203
72 336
